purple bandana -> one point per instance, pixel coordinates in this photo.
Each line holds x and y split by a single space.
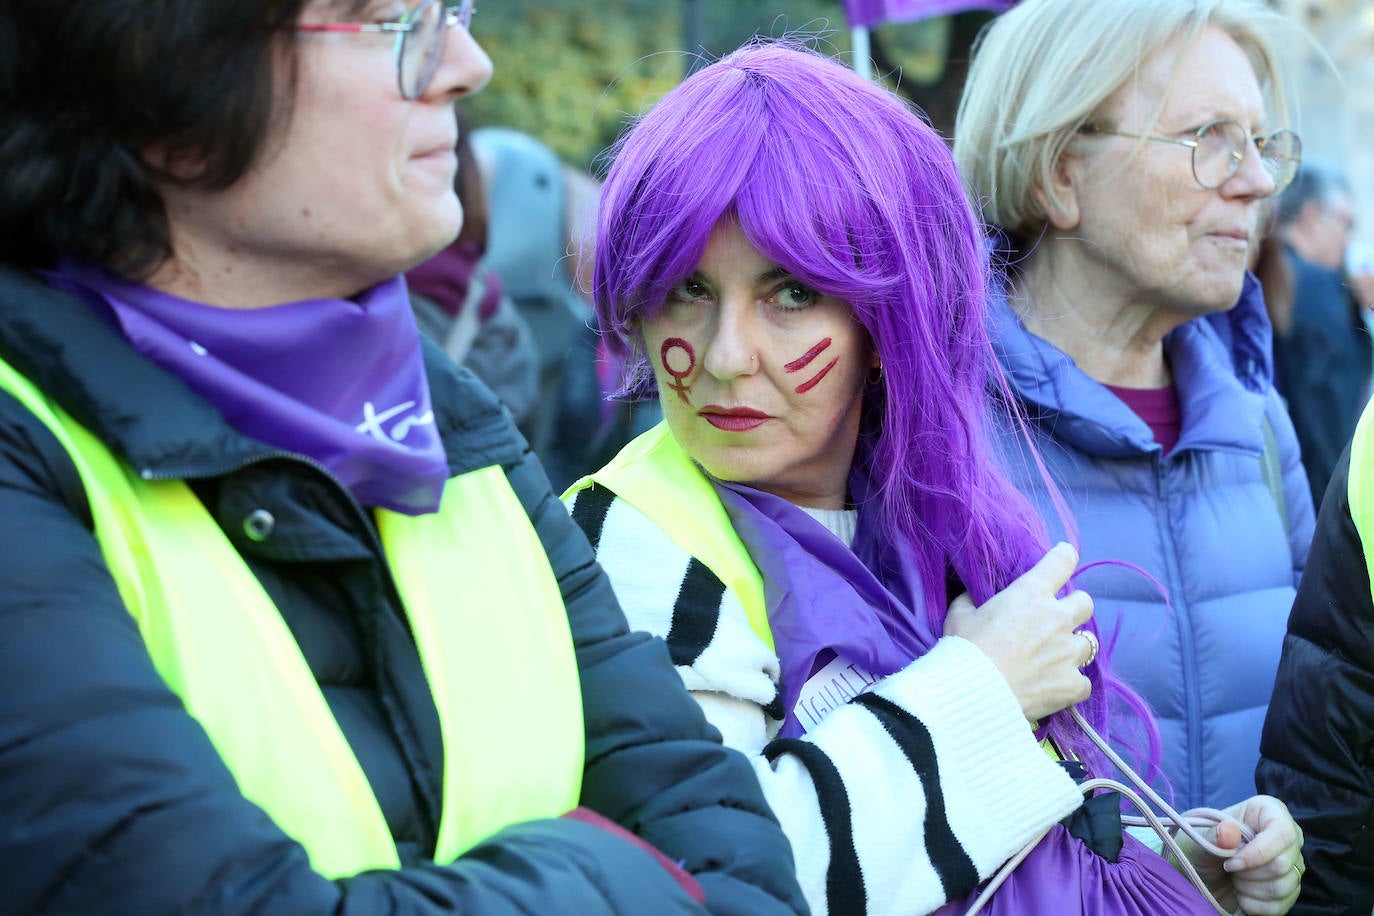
340 381
822 598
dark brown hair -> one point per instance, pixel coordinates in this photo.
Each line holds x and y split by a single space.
88 90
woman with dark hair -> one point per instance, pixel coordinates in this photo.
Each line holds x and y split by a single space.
850 586
289 618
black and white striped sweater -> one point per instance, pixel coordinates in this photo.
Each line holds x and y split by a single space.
907 795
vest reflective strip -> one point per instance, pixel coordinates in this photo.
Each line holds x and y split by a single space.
498 654
654 475
1361 486
487 615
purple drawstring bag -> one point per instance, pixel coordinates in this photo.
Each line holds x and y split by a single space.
1063 877
823 601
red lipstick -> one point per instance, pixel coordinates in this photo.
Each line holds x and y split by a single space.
733 419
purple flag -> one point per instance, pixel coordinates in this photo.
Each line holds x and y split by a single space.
875 12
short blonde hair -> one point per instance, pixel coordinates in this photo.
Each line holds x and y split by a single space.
1044 69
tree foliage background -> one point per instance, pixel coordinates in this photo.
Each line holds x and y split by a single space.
573 73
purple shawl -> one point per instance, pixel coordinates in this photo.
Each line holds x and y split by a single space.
340 381
823 599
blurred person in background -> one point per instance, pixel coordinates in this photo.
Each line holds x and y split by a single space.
289 619
1322 359
460 304
1359 262
542 225
1268 262
1124 149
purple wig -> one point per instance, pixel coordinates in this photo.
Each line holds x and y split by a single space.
836 180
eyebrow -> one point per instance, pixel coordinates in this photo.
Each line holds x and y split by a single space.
771 275
1259 125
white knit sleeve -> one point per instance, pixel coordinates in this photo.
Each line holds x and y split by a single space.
911 793
664 591
854 795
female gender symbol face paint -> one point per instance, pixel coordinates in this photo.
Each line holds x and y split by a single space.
675 350
761 378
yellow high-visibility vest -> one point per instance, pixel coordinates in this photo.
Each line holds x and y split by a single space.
481 600
654 475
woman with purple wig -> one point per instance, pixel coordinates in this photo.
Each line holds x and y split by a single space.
820 531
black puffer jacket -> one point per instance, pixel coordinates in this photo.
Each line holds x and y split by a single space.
1317 749
112 799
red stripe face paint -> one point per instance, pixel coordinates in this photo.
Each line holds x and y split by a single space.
674 349
801 362
815 380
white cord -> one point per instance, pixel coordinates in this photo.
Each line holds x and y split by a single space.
1192 823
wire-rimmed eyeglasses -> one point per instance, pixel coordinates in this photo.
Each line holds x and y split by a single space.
1219 149
419 39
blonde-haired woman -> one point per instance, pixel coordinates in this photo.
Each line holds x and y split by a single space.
1125 149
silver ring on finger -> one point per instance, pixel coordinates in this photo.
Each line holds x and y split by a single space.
1093 646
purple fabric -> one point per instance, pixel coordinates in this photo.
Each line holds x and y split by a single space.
876 12
339 381
1160 408
444 279
821 598
1062 877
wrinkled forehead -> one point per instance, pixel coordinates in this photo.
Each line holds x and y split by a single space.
1192 78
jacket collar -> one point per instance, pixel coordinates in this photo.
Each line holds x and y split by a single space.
1222 365
161 427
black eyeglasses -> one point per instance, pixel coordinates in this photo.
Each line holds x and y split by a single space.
420 37
1219 149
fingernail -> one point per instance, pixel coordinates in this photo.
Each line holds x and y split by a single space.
1232 865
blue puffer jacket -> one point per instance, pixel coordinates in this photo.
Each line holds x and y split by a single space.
1201 520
